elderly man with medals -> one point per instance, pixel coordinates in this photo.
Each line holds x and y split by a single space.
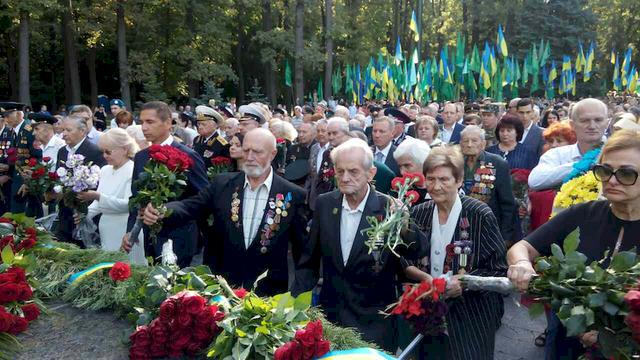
464 239
487 178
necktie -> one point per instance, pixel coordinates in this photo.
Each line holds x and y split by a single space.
379 156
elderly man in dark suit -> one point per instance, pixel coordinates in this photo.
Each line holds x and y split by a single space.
532 137
383 147
257 214
155 117
74 133
355 287
487 178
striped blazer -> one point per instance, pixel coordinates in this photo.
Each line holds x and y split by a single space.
474 317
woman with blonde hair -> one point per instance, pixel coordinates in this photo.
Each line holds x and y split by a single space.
111 199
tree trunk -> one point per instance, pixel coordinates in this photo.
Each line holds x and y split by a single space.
396 22
474 21
238 53
299 69
93 80
193 85
71 56
123 63
328 47
12 60
269 74
465 20
23 59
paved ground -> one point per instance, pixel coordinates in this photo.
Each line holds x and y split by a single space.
69 333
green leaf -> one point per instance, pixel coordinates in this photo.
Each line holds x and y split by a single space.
589 317
623 261
572 241
611 308
577 310
7 255
576 325
557 252
536 309
597 299
303 301
542 265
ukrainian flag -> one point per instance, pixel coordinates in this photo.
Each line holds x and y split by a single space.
413 26
502 43
357 354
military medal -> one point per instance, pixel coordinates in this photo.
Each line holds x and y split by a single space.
235 208
273 217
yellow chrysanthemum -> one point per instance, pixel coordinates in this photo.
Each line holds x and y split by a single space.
579 190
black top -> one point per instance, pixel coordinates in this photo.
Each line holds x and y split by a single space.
599 230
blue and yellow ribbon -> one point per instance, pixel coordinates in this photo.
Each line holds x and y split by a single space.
84 273
356 354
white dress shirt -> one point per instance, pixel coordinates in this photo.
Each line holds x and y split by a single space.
349 223
94 135
385 153
554 166
253 205
51 150
441 236
72 150
320 155
445 135
168 141
526 132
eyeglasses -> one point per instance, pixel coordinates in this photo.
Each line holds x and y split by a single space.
625 176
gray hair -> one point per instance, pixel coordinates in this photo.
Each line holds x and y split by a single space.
473 130
232 122
355 124
78 121
388 120
342 112
418 150
349 146
341 122
575 109
117 137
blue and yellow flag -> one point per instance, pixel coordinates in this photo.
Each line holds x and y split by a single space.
413 26
398 56
356 354
502 43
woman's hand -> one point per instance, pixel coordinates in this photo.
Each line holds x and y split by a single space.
520 274
76 218
89 195
454 288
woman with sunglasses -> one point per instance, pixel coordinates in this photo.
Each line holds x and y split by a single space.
605 225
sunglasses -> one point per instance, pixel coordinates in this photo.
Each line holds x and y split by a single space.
625 176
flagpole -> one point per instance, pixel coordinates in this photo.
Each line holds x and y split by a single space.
419 15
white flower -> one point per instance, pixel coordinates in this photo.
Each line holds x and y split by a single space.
57 189
61 172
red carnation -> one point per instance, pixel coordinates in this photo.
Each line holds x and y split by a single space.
280 141
31 312
25 292
418 179
46 159
412 196
32 162
120 271
9 292
241 293
396 183
632 298
19 273
19 325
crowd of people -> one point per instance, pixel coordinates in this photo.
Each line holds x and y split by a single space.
301 185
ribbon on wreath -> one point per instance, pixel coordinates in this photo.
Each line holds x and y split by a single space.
92 269
356 354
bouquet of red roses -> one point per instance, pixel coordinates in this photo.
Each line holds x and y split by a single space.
421 305
16 309
162 180
220 164
306 345
186 325
520 188
37 177
17 236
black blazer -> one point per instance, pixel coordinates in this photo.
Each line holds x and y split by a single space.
535 140
185 235
225 250
352 294
457 131
92 154
502 202
390 161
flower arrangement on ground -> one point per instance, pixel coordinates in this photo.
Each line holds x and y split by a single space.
163 179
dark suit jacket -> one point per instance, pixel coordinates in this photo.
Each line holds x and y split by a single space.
534 139
225 250
390 161
185 235
455 137
352 295
502 202
92 154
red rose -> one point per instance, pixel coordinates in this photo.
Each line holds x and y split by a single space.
632 298
520 175
120 271
5 220
322 347
6 240
26 244
46 159
201 334
315 328
9 292
6 320
32 162
139 353
31 232
19 325
168 309
183 319
633 321
19 273
241 293
25 292
159 157
180 340
193 348
308 342
157 350
53 175
289 351
141 337
193 303
31 312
